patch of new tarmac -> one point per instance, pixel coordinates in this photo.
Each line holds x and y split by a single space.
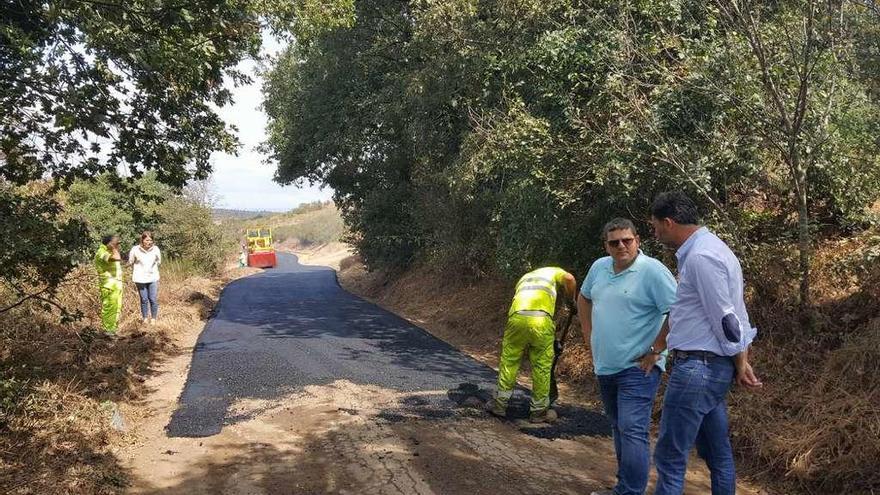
291 327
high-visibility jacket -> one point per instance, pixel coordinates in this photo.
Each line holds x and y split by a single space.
109 271
536 291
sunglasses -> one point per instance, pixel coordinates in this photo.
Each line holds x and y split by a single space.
617 242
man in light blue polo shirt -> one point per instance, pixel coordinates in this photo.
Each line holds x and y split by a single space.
622 306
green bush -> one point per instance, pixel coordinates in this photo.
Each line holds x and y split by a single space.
183 228
187 232
307 207
179 269
11 392
112 206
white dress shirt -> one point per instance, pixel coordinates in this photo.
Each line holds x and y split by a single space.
709 313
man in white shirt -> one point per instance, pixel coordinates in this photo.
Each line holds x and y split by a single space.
709 337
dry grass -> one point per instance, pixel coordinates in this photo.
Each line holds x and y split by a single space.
307 229
466 313
816 426
310 225
62 382
332 254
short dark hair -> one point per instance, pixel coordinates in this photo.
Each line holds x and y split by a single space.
106 239
618 224
677 206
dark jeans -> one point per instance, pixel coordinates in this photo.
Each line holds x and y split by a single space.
628 397
149 299
695 413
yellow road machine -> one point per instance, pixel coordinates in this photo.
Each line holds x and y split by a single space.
260 252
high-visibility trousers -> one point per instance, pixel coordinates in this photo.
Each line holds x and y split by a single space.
535 333
111 305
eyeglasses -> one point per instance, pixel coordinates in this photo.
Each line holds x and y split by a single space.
626 242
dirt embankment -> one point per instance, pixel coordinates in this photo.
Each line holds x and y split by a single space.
73 400
331 254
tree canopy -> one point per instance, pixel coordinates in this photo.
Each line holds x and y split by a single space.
475 131
90 88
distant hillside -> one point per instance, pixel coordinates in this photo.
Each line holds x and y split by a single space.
226 214
308 224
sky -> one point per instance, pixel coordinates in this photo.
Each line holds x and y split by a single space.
244 182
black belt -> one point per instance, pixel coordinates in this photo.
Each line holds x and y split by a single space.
677 354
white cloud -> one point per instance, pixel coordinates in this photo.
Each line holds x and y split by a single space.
245 181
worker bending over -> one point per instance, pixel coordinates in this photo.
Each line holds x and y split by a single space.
530 326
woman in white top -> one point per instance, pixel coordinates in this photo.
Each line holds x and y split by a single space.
145 259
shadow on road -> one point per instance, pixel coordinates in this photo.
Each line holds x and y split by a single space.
409 456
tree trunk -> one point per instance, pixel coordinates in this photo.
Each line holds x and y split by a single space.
804 239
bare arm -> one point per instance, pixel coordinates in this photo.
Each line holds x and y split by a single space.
585 315
660 341
570 287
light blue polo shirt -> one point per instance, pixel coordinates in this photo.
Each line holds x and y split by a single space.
628 310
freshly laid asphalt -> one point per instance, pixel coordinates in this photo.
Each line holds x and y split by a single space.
285 328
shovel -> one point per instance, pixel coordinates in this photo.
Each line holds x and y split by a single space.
558 347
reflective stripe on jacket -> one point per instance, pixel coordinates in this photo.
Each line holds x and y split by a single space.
536 291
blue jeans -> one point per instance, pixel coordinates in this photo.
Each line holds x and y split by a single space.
628 397
695 413
149 298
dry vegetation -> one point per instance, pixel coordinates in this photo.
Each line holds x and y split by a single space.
818 421
62 383
814 428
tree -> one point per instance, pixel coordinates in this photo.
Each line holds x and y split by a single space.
112 208
37 247
795 70
738 99
352 132
95 87
89 87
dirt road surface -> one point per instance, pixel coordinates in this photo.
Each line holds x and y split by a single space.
298 387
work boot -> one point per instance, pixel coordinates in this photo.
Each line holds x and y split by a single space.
497 409
544 416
